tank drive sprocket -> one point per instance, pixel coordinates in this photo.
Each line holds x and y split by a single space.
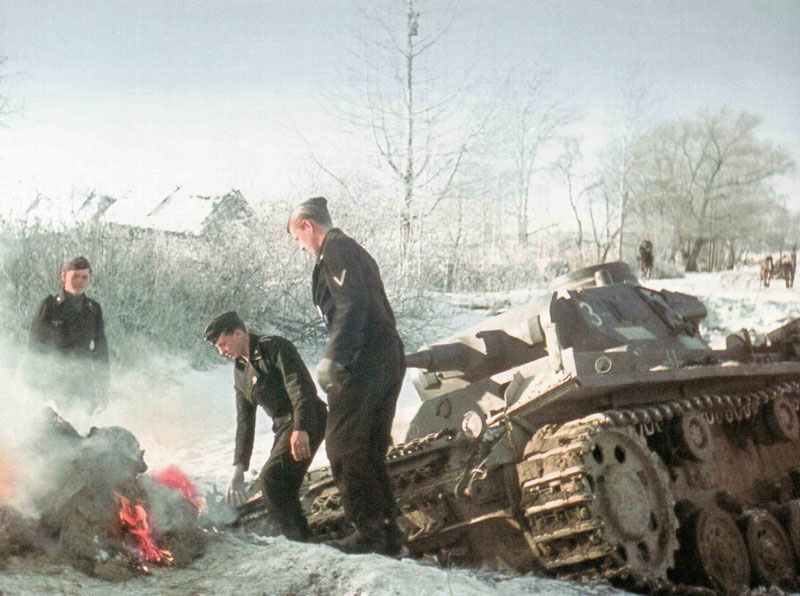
601 505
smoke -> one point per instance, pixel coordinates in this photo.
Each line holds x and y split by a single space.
173 410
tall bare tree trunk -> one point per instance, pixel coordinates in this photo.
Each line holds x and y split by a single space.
692 252
408 177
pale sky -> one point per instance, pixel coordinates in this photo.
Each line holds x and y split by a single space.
136 97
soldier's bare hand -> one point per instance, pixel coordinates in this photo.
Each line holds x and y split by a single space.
235 495
300 445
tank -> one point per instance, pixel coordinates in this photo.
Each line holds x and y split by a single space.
593 434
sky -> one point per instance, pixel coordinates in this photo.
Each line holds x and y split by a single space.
133 98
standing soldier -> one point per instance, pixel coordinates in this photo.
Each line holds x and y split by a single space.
268 372
362 372
68 341
646 259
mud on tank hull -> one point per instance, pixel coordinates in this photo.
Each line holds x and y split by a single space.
654 479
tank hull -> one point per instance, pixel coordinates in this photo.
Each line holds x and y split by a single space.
594 435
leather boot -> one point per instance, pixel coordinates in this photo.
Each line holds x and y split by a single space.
368 538
394 538
294 526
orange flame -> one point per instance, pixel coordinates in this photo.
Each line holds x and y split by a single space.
174 478
134 519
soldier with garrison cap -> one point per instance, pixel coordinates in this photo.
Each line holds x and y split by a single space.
362 372
68 342
269 372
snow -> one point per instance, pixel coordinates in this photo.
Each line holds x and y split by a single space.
248 565
179 212
186 417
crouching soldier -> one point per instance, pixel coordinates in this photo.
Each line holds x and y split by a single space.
268 372
68 343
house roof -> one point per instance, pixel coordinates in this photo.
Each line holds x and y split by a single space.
180 212
46 210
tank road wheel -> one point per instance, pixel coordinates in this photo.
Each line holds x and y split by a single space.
781 418
718 551
770 548
633 499
694 436
790 516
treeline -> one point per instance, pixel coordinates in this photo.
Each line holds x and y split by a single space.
158 290
700 188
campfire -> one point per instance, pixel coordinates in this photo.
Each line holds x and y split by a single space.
105 515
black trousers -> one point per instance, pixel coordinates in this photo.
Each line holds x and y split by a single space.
359 433
281 477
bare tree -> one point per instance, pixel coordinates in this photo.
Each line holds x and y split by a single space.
711 175
604 219
621 168
414 116
530 121
567 168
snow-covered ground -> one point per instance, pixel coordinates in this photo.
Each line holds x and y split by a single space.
186 417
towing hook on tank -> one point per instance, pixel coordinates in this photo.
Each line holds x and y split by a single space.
476 475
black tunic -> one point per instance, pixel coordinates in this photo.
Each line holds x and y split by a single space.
70 325
349 295
275 378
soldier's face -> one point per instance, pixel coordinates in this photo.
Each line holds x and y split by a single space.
303 233
231 345
76 280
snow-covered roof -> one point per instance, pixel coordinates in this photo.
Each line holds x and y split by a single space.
180 212
94 206
48 211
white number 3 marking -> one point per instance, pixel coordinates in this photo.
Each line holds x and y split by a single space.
596 319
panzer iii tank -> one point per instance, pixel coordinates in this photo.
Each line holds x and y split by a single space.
594 434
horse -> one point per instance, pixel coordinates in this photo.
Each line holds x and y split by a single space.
787 266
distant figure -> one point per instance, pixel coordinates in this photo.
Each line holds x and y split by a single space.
646 259
68 343
788 264
765 271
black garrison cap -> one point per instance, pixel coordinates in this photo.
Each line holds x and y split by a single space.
227 321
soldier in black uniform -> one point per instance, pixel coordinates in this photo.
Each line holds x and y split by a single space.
269 372
68 342
362 372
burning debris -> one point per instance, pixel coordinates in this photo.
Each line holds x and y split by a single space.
97 510
134 522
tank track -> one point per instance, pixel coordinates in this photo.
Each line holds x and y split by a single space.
415 466
566 534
